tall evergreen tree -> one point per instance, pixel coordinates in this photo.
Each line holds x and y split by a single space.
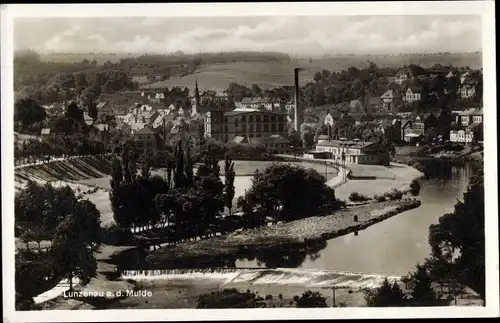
179 175
387 295
92 110
423 294
229 175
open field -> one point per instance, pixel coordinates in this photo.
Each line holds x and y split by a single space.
271 74
101 58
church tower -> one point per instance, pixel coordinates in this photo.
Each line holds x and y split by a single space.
196 106
196 92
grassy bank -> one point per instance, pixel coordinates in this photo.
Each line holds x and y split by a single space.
295 234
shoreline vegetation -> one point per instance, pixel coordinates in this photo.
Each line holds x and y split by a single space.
300 234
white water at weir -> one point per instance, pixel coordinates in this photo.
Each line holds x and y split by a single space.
280 276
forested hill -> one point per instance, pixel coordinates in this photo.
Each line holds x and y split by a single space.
50 76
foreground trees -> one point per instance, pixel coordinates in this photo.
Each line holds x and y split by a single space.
233 298
188 202
71 227
458 239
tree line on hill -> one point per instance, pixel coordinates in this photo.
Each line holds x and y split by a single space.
352 84
48 82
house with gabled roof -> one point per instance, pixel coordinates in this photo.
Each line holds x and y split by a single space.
275 142
355 106
413 93
467 90
145 137
389 100
88 120
465 77
372 104
402 77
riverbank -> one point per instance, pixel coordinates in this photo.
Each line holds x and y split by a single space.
296 234
385 178
416 156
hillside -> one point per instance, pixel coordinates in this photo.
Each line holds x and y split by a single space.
270 74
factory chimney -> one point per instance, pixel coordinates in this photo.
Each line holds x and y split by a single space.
298 111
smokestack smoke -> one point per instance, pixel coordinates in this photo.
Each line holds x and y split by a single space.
298 112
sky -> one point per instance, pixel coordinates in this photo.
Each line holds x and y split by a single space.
295 35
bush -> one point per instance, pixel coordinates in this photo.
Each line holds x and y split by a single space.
385 296
230 298
394 195
415 187
310 299
356 197
379 198
114 235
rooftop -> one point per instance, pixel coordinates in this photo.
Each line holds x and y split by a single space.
240 140
273 139
472 112
346 143
241 112
144 131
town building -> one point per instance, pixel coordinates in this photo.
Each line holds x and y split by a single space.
416 128
354 152
331 117
470 116
465 77
462 136
355 106
402 77
450 74
390 99
88 120
45 132
260 103
252 123
145 137
277 143
373 104
412 94
470 127
467 90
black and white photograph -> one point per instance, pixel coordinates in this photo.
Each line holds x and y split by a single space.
237 157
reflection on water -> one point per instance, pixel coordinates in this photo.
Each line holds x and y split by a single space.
393 246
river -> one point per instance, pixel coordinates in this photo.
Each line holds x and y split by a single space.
393 246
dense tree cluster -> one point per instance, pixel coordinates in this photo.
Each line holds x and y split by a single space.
28 116
69 134
286 192
185 201
71 225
